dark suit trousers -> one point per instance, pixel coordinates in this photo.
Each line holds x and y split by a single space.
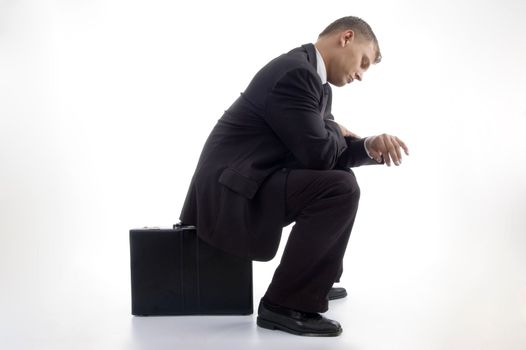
323 203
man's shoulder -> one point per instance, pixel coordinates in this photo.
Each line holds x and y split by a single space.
297 64
298 58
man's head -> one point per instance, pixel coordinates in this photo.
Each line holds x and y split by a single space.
348 47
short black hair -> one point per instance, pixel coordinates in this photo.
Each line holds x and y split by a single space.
359 26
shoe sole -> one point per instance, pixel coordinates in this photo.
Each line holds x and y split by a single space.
273 326
338 296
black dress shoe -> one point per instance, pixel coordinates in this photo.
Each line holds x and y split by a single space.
336 293
272 316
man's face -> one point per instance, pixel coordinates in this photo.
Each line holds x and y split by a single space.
351 60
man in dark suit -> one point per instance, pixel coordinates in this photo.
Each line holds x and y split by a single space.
277 156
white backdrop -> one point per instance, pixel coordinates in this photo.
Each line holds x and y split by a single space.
105 106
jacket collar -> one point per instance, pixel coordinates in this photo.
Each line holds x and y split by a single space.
312 58
311 54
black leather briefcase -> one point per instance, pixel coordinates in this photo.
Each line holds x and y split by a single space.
173 272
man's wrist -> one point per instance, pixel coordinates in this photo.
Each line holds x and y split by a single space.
366 145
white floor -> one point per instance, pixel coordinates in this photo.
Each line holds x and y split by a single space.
56 300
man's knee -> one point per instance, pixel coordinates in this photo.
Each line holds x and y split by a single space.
343 182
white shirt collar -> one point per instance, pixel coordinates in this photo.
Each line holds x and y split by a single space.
320 67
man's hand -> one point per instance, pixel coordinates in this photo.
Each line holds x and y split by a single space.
346 132
386 146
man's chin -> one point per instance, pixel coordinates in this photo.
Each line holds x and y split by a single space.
338 83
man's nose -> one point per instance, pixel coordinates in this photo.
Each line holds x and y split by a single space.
358 76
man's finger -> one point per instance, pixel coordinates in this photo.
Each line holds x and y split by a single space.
376 156
402 144
385 155
383 150
391 150
397 150
387 159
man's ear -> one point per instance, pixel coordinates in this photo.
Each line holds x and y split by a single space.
347 37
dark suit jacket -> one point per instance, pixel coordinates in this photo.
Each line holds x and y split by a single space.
282 121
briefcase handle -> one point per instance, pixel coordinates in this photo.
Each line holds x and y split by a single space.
182 226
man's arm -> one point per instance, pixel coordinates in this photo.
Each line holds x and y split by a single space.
292 112
380 148
355 155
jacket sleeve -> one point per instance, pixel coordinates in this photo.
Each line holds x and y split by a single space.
292 112
355 155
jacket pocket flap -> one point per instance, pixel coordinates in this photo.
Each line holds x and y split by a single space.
238 183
